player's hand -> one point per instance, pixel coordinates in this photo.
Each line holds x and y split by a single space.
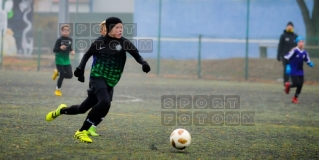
145 67
72 52
288 69
311 64
63 47
81 79
78 72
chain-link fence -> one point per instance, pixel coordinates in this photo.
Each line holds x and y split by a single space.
209 39
230 39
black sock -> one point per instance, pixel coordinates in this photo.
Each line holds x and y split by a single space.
296 95
72 110
86 125
98 121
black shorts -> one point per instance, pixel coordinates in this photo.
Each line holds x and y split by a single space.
97 83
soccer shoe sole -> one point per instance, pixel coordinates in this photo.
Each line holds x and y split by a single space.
81 139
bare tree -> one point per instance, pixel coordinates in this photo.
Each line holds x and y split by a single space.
311 21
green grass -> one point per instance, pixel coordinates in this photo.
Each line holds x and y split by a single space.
133 130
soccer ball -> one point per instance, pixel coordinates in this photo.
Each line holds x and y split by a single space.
180 138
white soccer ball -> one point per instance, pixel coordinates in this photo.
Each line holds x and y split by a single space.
180 138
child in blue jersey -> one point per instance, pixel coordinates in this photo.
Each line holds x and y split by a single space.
296 57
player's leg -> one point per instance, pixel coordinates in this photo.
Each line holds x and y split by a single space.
92 129
289 85
86 105
298 90
97 112
68 72
55 74
72 110
285 76
61 71
296 82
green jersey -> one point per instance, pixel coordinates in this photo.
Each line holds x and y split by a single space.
109 57
62 57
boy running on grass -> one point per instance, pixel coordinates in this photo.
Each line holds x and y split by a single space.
107 68
62 50
92 129
296 57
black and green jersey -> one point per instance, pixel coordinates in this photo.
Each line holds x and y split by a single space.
62 57
109 57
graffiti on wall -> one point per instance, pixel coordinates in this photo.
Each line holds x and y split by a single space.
19 33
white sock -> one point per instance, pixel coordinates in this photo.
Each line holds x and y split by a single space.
57 88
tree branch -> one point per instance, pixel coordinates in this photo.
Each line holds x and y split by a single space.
305 12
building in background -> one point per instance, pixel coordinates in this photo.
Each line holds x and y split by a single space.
87 6
90 12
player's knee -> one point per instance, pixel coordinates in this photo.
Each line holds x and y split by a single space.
62 75
81 111
106 105
106 102
298 84
69 76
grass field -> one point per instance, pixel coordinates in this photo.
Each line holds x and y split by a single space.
133 129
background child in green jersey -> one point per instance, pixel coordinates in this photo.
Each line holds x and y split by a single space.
62 50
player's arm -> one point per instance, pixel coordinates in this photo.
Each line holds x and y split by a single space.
84 59
57 46
96 45
132 50
279 51
287 57
290 54
71 40
88 54
308 61
79 71
71 49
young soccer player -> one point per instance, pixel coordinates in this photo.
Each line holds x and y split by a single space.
62 50
296 57
103 29
92 129
107 68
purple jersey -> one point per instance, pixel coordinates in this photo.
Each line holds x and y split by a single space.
296 58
